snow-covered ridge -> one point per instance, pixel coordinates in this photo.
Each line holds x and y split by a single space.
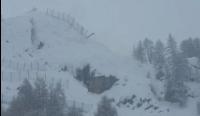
65 44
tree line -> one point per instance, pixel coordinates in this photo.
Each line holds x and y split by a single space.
39 99
170 62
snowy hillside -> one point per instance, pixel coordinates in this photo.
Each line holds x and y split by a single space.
63 42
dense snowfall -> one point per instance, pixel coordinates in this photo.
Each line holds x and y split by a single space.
42 43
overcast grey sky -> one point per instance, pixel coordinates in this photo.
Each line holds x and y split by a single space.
119 23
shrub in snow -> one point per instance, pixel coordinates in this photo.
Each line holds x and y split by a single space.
102 83
64 68
177 72
40 45
160 75
128 100
105 108
85 74
94 84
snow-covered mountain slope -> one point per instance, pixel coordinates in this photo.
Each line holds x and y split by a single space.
65 43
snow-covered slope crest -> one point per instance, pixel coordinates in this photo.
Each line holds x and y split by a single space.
62 45
66 43
62 40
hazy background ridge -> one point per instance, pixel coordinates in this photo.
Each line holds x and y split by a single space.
119 23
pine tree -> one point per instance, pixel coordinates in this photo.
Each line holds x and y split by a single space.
177 72
148 48
56 102
187 47
22 104
170 56
158 55
198 107
85 74
196 43
191 47
159 59
139 53
40 96
182 69
176 92
105 108
74 111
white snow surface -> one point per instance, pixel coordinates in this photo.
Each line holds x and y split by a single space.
65 45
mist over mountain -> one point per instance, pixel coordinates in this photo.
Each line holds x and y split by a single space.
100 58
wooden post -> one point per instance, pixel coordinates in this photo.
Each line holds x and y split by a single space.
90 35
24 65
9 63
19 75
45 76
28 74
31 67
10 76
37 66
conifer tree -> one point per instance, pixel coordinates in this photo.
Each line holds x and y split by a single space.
158 56
40 96
56 102
177 71
139 53
148 49
22 104
105 108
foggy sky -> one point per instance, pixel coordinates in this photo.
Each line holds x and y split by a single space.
120 23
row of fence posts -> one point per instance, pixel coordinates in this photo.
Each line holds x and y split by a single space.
21 75
4 101
70 20
23 66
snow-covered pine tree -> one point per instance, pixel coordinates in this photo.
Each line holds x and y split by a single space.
196 43
177 71
139 53
191 47
170 55
187 47
159 59
148 49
